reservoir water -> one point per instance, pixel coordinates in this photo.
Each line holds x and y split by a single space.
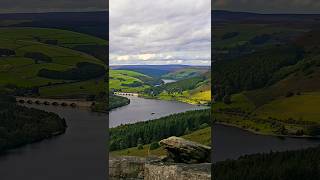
231 143
78 154
141 109
81 152
166 81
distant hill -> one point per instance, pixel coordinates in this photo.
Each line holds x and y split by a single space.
154 70
220 16
93 23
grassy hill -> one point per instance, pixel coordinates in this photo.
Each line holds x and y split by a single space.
194 90
202 136
192 125
185 73
272 88
127 81
51 51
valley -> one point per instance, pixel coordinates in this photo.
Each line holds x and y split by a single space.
265 76
193 88
164 95
264 79
53 68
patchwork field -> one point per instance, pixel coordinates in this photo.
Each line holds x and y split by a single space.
47 60
127 81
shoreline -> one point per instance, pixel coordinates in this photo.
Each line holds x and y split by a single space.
266 134
174 100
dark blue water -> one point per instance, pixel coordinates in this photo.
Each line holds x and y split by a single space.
141 109
78 154
231 143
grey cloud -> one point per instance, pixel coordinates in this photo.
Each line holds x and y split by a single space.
269 6
180 29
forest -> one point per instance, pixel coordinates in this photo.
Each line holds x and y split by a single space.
21 125
290 165
132 135
83 71
104 103
7 52
252 71
38 57
176 87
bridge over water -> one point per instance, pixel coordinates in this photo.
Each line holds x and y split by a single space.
126 94
55 102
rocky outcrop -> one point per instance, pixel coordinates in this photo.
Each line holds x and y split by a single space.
164 171
136 168
180 150
126 168
186 160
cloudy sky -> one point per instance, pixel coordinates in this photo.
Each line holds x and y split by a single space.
14 6
269 6
160 32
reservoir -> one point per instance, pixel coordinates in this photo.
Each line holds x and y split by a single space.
166 81
231 143
141 109
80 153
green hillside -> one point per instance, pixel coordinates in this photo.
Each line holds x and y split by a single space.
193 90
191 125
39 61
202 136
184 73
127 81
273 89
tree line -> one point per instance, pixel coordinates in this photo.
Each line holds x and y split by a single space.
21 125
289 165
176 87
252 71
132 135
83 71
7 52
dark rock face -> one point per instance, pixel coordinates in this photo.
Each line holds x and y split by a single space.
180 150
126 167
136 168
185 160
161 171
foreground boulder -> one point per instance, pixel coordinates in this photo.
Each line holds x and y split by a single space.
167 171
180 150
126 167
151 168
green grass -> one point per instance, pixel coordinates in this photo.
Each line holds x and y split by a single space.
304 106
120 77
203 97
183 73
22 72
80 89
65 38
238 101
202 136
